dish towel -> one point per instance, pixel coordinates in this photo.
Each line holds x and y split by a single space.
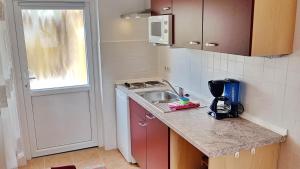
177 106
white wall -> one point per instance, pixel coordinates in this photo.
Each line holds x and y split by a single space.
270 91
125 55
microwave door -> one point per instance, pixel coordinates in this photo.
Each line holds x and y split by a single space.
156 29
156 32
160 29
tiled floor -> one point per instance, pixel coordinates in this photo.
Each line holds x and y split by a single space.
82 159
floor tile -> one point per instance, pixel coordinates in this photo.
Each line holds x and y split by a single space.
82 159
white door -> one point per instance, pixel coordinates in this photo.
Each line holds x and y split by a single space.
54 41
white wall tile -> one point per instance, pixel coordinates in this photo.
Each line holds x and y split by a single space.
122 61
125 55
270 86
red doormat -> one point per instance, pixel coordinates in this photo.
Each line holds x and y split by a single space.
73 167
65 167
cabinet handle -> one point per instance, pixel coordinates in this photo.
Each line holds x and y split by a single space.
166 8
150 117
195 43
211 44
142 124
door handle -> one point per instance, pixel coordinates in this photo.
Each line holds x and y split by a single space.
142 124
211 44
32 78
166 8
150 117
27 85
195 43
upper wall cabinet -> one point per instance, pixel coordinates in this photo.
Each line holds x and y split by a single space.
188 23
227 26
273 27
243 27
248 27
161 7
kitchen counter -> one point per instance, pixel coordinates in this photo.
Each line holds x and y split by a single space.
212 137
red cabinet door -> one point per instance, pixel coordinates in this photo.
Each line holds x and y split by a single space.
188 23
157 144
159 7
138 134
227 26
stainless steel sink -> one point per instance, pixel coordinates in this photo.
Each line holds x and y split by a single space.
156 97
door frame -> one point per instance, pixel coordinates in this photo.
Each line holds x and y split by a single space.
96 59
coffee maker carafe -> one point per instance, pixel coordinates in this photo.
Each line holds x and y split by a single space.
226 104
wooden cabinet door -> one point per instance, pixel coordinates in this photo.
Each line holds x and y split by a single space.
138 134
159 7
157 144
188 23
227 26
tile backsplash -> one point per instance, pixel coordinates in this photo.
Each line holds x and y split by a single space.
269 91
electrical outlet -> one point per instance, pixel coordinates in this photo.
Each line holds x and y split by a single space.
167 68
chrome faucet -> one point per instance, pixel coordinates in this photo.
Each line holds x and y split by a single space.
180 92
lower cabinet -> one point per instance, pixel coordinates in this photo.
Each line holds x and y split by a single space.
155 146
138 134
149 139
183 155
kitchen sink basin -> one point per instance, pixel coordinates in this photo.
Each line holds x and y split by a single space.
156 97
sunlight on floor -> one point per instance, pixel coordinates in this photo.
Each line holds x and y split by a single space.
82 159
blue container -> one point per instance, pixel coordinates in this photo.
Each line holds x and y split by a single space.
232 91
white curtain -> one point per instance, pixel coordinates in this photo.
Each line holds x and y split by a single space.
9 115
11 136
2 159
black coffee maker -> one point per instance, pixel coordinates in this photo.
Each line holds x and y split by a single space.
225 104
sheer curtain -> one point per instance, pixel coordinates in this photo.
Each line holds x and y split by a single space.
2 152
9 116
2 160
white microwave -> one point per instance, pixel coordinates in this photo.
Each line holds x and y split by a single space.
161 29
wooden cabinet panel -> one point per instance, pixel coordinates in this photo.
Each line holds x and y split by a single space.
157 144
264 158
273 27
159 7
183 154
138 134
188 23
227 26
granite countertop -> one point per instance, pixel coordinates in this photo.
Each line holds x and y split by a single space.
212 137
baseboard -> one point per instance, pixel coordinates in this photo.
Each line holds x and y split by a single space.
110 147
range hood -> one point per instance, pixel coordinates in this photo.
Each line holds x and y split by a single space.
136 15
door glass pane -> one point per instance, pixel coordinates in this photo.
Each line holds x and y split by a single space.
55 47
